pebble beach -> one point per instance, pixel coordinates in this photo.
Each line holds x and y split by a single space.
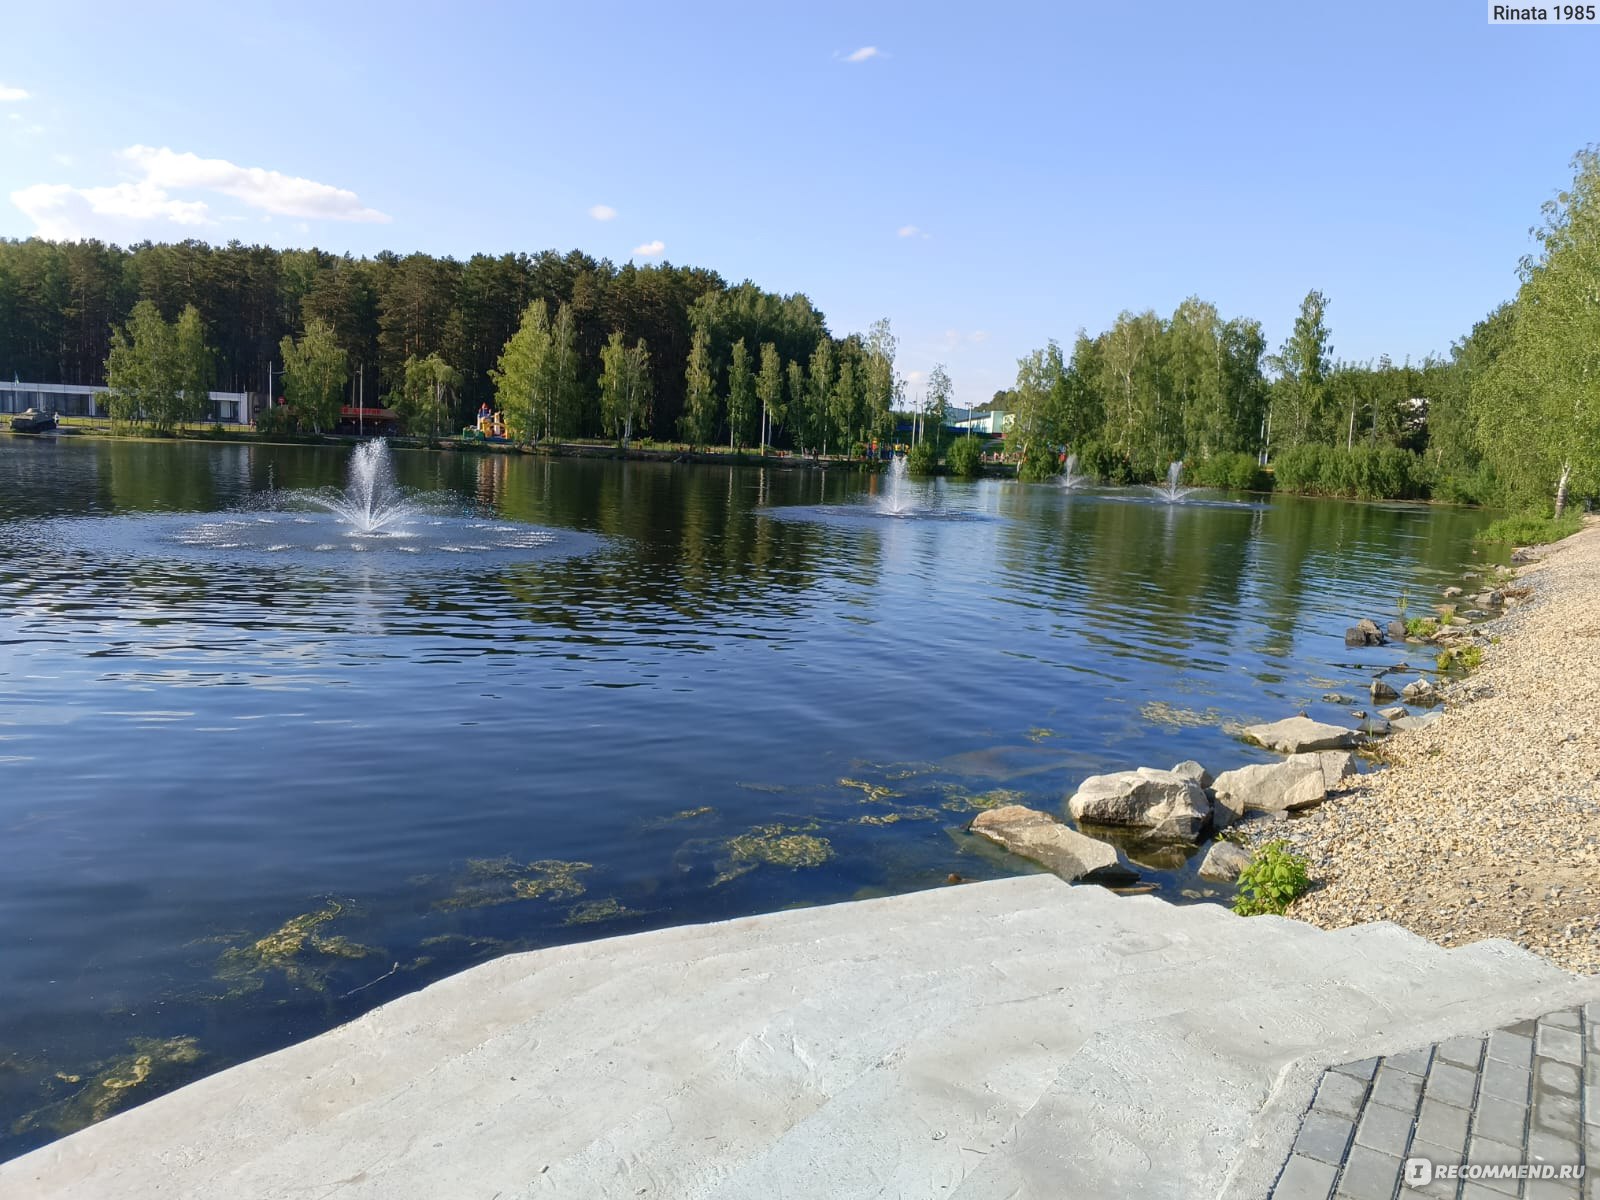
1485 823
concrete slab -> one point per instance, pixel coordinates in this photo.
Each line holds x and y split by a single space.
1020 1037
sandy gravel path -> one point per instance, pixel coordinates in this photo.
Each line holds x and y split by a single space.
1487 823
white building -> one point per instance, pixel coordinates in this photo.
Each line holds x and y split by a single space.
84 400
993 422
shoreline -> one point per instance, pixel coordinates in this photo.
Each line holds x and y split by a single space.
1485 823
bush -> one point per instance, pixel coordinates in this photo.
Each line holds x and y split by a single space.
1039 462
276 419
1362 473
1275 876
1236 471
965 457
1100 461
1531 529
922 459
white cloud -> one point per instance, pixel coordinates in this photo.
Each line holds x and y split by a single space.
911 231
861 55
285 195
127 210
9 95
602 212
650 249
65 213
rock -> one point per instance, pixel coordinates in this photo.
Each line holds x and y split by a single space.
1336 698
1189 769
1297 782
1224 861
1375 727
1381 691
1397 630
1450 593
1395 712
1167 804
1364 632
1336 765
1494 599
1420 721
1041 838
1297 734
1420 691
1524 554
1359 714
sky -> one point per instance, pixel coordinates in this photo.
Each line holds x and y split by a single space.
988 177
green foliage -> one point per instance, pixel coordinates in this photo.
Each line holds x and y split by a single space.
1463 658
964 457
1421 627
922 459
1364 473
624 385
158 372
741 396
1039 462
423 401
521 376
1275 876
276 419
700 400
1530 529
315 371
1234 470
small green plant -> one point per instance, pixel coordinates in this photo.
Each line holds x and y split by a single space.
922 459
1421 627
1528 529
964 457
1275 876
1404 603
1466 658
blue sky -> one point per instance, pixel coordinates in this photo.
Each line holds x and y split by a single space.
988 177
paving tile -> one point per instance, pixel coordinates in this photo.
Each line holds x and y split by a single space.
1453 1085
1509 1047
1481 1150
1555 1114
1464 1052
1413 1062
1557 1077
1397 1089
1384 1129
1477 1191
1340 1094
1550 1148
1569 1018
1435 1155
1443 1125
1324 1137
1505 1080
1363 1070
1522 1028
1369 1175
1591 1107
1304 1179
1552 1189
1499 1120
1564 1045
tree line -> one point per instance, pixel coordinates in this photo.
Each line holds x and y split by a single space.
566 344
1511 417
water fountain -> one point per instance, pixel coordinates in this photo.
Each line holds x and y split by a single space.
892 502
1069 479
1171 491
372 501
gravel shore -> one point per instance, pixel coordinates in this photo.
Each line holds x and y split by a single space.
1486 823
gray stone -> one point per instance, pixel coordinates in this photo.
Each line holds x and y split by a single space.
1396 630
1450 593
1396 1089
1420 691
1374 726
1269 787
1293 735
1189 769
1394 712
1438 1189
1041 838
1364 632
1462 1051
1506 1080
1499 1120
1363 1070
1384 1129
1453 1085
1381 691
1304 1179
1412 1062
1336 765
1420 721
1224 861
1341 1095
1168 805
1561 1044
1443 1125
1324 1137
1369 1175
1510 1047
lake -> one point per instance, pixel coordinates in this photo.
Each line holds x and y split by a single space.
249 790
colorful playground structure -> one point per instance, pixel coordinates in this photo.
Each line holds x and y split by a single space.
490 426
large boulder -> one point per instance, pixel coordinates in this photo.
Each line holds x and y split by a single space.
1041 838
1420 691
1165 803
1298 734
1381 691
1189 769
1224 861
1336 765
1294 783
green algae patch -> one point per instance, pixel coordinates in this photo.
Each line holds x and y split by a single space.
1040 734
872 793
781 846
112 1085
592 911
491 881
689 814
959 799
916 812
298 949
1159 712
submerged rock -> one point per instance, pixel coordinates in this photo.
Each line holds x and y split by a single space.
1364 632
1450 593
1296 782
1167 804
1224 861
1397 630
1039 837
1395 712
1381 691
1297 734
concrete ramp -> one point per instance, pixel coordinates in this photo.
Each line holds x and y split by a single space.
1008 1039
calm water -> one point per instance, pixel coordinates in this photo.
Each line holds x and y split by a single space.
245 797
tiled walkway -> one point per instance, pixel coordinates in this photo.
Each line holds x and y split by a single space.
1529 1093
